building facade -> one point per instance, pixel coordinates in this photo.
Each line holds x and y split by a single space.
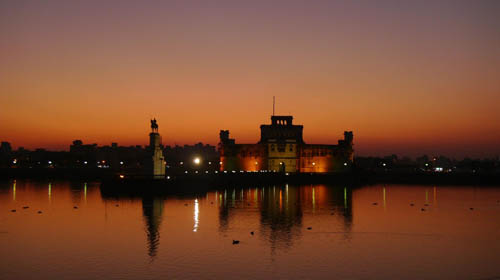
282 149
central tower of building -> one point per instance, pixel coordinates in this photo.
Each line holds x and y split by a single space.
281 139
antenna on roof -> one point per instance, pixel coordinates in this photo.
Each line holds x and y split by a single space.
273 104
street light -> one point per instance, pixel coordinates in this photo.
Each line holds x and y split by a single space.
197 160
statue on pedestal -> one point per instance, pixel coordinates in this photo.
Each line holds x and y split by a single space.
154 126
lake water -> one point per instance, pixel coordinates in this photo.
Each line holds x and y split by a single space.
316 231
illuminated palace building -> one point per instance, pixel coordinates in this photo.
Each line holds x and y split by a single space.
282 149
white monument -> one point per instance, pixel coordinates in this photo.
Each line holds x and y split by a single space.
157 167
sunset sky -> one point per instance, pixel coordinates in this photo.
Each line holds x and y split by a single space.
407 77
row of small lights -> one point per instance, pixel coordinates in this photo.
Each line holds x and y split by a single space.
14 161
345 163
85 162
197 160
383 164
234 171
225 171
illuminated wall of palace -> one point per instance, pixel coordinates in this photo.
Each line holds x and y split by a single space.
246 157
316 158
282 149
325 158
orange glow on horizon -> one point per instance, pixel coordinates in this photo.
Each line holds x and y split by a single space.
406 80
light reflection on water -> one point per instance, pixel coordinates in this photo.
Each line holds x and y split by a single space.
195 216
313 231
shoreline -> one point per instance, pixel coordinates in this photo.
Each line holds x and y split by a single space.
358 177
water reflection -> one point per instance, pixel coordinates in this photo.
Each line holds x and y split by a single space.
280 216
14 190
375 231
195 215
152 210
435 196
85 192
281 209
77 191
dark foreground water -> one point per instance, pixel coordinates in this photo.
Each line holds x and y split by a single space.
307 232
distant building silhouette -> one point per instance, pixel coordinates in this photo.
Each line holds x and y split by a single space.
79 148
115 157
182 158
5 154
5 148
282 149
